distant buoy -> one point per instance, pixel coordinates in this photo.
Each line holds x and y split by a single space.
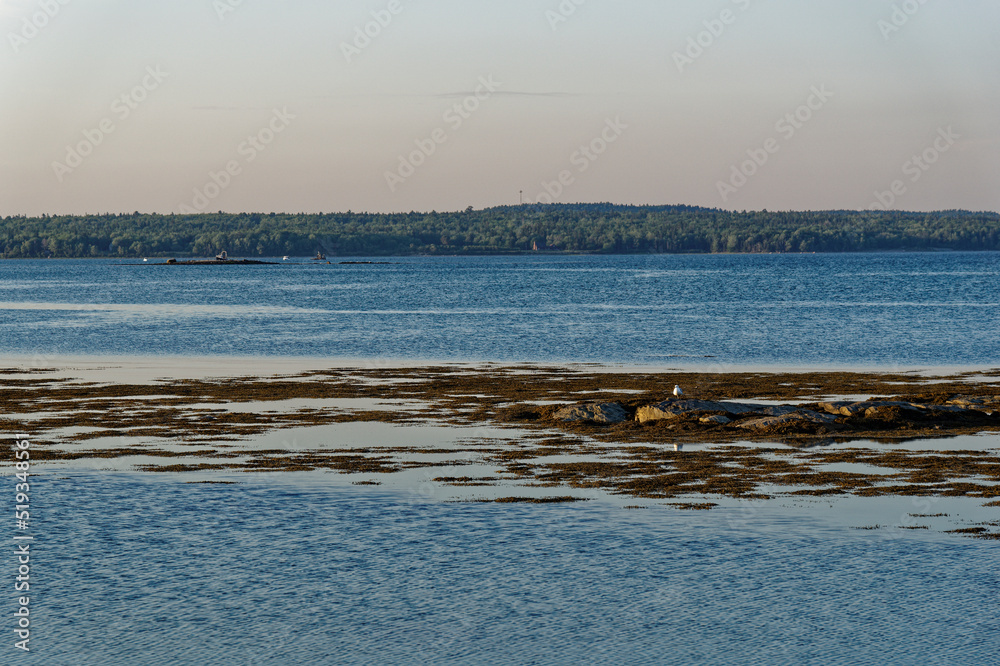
678 391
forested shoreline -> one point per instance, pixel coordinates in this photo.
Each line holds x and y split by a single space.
581 228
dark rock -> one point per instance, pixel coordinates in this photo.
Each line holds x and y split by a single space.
981 403
892 409
778 410
673 407
798 417
954 409
595 412
861 408
968 401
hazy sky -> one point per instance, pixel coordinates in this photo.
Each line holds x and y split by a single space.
250 105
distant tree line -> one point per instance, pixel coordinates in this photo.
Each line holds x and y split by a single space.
592 228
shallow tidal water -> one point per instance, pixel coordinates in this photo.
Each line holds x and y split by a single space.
146 569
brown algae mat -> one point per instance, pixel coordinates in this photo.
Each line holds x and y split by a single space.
209 420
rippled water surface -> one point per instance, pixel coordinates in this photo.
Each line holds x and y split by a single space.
856 309
148 570
139 569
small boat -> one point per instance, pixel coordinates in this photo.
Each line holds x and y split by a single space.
319 257
222 256
285 258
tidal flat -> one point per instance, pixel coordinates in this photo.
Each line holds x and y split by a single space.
499 433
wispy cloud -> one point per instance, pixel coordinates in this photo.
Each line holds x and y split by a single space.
231 108
511 93
460 94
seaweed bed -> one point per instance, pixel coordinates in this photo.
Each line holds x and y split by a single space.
192 418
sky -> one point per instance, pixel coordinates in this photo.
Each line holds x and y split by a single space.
420 105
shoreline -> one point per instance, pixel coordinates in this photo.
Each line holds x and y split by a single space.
515 253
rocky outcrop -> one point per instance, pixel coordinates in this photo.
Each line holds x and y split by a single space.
594 412
697 418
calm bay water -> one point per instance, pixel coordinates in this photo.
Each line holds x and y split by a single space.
290 569
139 570
849 310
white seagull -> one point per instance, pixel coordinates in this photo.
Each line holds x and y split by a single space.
678 391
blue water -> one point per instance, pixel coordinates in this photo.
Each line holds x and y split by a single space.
855 310
147 570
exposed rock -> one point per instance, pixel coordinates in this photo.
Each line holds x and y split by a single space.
802 416
672 408
859 408
982 403
864 407
740 408
968 401
887 412
777 410
816 416
596 412
954 409
871 407
668 409
718 419
908 411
